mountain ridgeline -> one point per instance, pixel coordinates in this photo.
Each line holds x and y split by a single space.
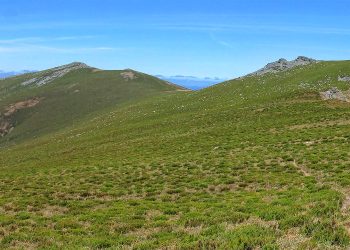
46 101
122 160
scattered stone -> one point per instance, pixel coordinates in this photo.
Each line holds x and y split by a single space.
50 75
283 65
334 94
344 78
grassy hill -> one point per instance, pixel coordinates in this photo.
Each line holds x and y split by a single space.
69 93
260 162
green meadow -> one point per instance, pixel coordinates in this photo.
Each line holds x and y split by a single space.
260 162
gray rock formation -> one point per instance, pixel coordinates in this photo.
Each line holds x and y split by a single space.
335 94
344 78
283 65
50 75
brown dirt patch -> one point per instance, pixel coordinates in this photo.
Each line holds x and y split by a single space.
16 244
293 239
50 211
13 108
252 221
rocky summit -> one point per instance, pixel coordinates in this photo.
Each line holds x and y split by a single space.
42 78
283 65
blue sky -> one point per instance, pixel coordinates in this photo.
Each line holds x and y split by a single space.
223 38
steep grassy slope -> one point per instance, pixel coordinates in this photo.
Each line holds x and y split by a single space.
71 96
258 162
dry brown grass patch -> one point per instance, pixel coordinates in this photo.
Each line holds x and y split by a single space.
50 211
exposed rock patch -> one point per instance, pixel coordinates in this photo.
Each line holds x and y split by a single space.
283 65
344 78
128 75
13 108
50 75
5 127
6 121
335 94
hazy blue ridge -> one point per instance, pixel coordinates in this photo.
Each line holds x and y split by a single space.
4 74
192 82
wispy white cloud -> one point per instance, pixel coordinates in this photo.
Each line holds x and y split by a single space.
220 41
164 24
52 49
72 50
8 50
39 44
251 28
301 48
68 38
22 40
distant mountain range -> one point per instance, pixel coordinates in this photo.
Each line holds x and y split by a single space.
192 82
4 74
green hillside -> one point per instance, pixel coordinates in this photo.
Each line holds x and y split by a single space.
260 162
69 93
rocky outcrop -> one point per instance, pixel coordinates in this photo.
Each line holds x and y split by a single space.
344 79
50 75
6 118
283 65
128 75
5 126
335 94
